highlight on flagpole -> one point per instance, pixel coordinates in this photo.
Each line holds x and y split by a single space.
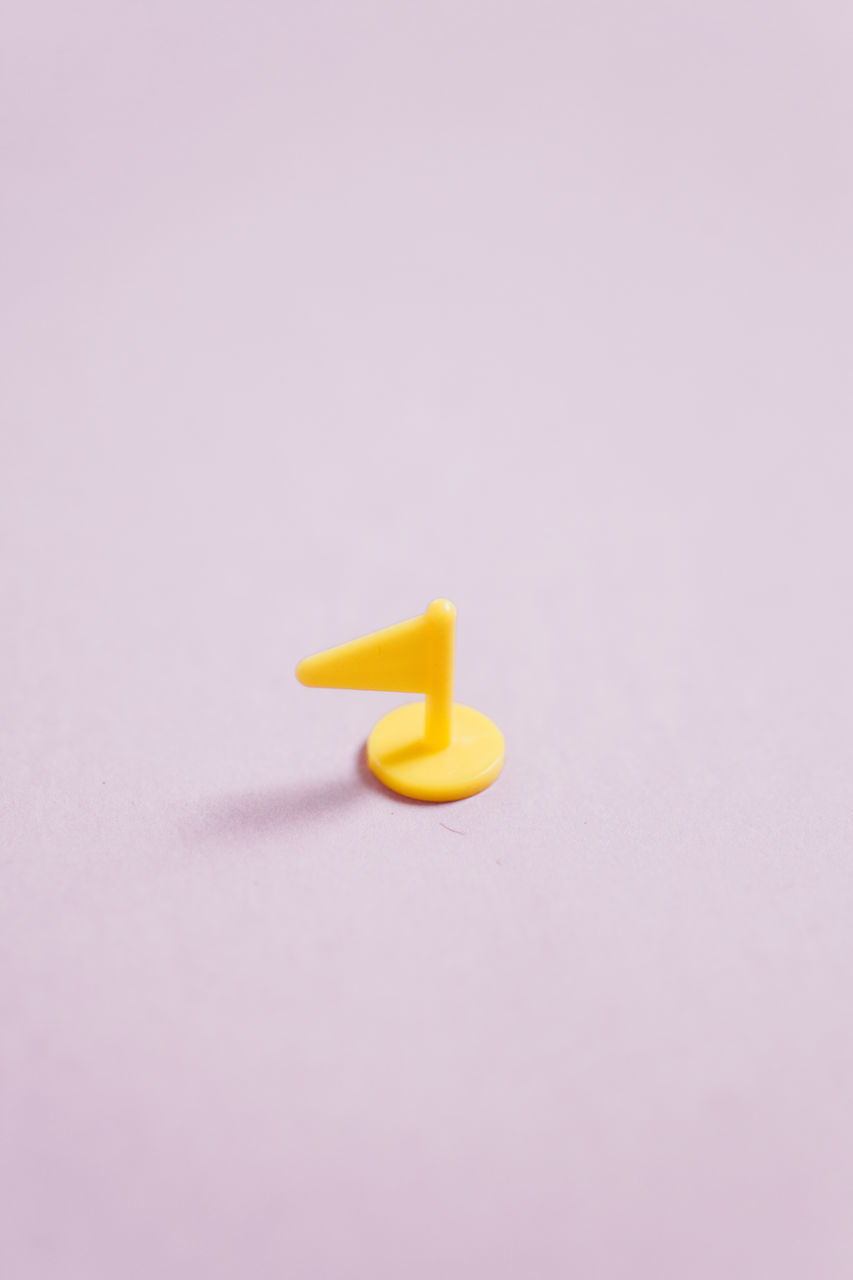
437 749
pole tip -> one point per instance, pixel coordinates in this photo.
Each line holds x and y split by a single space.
441 610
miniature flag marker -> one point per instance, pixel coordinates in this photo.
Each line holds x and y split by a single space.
431 750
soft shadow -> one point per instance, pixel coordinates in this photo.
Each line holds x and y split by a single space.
286 809
278 808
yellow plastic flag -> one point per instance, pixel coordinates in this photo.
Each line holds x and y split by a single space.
431 751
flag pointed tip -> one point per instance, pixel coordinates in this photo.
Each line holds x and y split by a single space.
304 671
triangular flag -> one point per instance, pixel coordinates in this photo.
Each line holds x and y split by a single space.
396 658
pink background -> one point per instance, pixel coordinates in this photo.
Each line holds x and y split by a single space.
312 312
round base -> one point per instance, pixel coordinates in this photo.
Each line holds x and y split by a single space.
397 754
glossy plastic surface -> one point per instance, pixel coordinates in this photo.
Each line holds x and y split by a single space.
436 750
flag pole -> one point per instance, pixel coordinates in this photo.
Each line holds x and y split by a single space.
441 624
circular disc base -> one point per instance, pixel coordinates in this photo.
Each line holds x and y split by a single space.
397 754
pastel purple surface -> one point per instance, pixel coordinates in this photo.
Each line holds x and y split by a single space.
312 313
